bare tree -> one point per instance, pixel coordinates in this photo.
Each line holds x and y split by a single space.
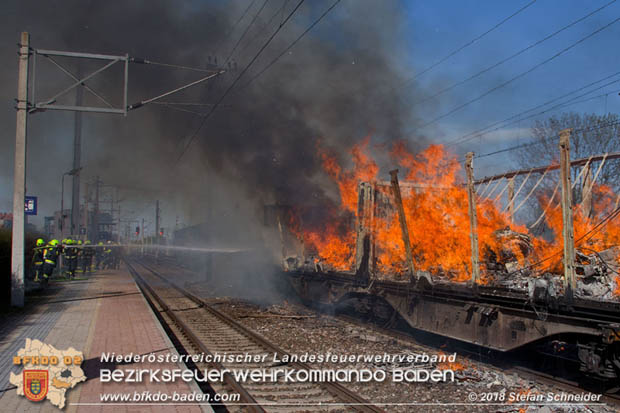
592 135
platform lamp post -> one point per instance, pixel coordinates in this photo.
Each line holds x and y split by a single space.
62 200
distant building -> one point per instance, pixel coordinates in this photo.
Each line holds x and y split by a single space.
58 226
48 226
6 220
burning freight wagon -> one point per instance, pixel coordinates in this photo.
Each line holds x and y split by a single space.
435 207
358 257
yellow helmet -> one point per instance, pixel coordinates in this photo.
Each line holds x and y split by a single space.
40 242
54 242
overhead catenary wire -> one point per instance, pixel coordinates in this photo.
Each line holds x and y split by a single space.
546 139
469 43
267 25
390 92
514 55
234 26
519 117
232 51
232 85
290 46
520 75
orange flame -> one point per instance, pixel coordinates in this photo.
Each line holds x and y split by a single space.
438 220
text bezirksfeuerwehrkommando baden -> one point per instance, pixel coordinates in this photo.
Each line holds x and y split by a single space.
420 367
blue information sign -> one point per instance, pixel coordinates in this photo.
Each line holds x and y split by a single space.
31 205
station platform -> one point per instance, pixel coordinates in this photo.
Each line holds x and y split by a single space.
100 313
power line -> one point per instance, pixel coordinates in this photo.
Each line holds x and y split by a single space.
459 49
245 69
569 102
520 52
474 40
273 16
290 46
543 140
234 26
245 31
487 129
520 75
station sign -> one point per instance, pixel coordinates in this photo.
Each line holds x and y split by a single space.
30 205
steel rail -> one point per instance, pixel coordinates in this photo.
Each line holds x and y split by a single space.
358 403
251 403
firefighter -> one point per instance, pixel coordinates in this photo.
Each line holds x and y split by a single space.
70 254
63 262
99 256
87 257
50 258
79 256
116 256
107 255
37 259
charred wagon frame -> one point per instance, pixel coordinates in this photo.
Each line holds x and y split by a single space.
498 318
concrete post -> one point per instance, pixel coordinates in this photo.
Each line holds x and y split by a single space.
19 177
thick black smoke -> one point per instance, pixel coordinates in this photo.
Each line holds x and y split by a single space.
342 82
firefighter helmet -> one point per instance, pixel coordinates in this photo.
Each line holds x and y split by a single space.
54 242
40 242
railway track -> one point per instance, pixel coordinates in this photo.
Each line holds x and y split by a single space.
560 383
568 386
200 328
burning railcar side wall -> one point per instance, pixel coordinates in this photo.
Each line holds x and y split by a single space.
435 202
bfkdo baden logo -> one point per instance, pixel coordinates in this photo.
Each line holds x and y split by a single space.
35 384
48 373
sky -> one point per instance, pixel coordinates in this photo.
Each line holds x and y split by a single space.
440 27
414 36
